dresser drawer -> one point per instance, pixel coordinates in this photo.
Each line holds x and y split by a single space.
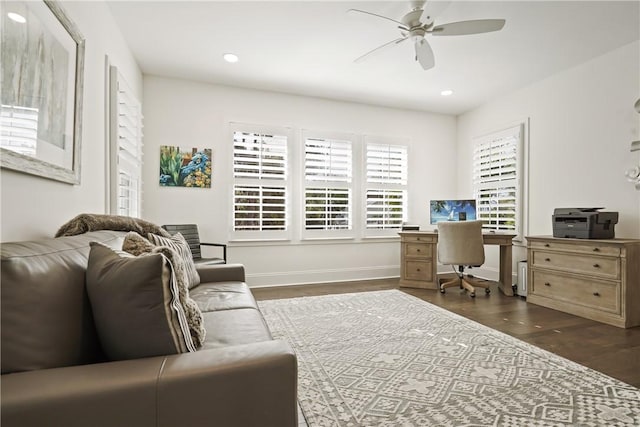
423 250
586 248
418 270
607 267
603 296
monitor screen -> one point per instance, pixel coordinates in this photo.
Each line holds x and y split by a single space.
452 210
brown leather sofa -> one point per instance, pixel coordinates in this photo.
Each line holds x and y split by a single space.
54 373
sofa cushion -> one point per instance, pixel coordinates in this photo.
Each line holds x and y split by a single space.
234 327
136 245
136 304
180 245
223 296
45 313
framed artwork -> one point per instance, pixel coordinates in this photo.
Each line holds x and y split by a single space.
183 167
41 90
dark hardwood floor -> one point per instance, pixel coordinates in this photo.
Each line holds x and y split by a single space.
610 350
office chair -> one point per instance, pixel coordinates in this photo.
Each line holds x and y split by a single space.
461 244
191 235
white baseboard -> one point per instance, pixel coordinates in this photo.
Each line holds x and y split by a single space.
303 277
258 280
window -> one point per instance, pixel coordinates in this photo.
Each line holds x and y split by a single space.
496 179
307 185
260 190
125 148
386 183
328 166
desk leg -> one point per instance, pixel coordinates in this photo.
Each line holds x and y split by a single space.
505 270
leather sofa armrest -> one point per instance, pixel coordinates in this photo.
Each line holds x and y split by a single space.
221 273
251 384
102 394
237 386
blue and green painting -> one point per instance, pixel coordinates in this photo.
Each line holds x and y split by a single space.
185 167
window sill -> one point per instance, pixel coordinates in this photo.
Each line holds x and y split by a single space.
312 241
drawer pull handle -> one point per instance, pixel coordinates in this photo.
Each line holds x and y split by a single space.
596 294
417 269
596 265
546 245
547 259
547 284
418 239
596 249
418 250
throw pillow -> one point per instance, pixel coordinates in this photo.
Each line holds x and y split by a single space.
137 245
178 243
135 304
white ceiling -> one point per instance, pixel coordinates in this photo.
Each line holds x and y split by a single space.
308 48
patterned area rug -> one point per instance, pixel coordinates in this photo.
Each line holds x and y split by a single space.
389 359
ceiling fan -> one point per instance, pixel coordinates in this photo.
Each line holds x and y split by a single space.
419 22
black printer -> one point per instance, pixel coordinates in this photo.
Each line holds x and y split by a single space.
584 223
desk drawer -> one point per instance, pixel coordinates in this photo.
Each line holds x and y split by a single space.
422 250
587 248
419 239
607 267
603 296
418 270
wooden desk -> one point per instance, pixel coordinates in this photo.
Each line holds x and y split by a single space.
419 259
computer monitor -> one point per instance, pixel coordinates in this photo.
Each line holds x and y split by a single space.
452 210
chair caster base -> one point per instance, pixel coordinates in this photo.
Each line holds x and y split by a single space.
472 294
487 291
441 291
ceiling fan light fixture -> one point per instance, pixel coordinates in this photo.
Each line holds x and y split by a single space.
446 92
16 17
230 57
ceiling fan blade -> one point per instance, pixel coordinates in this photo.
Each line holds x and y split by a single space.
412 18
356 11
468 27
380 48
424 54
433 9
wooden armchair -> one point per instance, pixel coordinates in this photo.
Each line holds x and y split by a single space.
191 235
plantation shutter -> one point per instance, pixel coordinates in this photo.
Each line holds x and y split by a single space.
126 148
260 181
386 164
496 177
386 193
328 175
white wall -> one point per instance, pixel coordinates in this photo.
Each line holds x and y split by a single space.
582 122
34 207
197 115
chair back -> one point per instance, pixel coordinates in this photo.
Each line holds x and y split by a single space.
190 234
460 243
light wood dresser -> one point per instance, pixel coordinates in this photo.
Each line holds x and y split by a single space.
596 279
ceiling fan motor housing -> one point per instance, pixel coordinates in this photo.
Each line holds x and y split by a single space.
417 34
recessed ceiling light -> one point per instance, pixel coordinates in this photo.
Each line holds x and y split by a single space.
230 57
16 17
446 92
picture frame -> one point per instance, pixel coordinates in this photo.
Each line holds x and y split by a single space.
185 167
42 91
